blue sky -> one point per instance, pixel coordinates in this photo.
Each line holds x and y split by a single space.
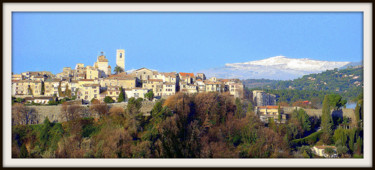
182 42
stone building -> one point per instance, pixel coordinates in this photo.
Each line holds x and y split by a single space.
102 65
262 98
120 58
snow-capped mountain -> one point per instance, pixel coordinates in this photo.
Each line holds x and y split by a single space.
277 68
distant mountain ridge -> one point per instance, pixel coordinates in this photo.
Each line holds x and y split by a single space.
274 68
347 82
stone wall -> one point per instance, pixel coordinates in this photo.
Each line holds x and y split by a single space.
53 112
318 112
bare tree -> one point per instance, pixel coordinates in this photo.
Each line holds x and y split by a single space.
100 108
22 115
70 112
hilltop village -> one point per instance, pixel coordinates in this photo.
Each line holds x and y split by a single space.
86 83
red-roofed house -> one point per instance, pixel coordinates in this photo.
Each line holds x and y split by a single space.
187 77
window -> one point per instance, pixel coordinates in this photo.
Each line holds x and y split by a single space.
120 55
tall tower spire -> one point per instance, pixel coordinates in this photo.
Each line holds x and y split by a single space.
120 58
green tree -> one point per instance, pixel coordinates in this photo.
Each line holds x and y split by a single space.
134 105
336 101
326 120
352 137
272 124
121 96
23 152
108 99
44 136
359 145
358 111
59 90
329 151
20 100
118 69
304 119
238 113
250 107
42 90
67 92
149 95
279 115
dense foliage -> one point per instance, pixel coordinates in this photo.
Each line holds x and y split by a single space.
346 82
204 125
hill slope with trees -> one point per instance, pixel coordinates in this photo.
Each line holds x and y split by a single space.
346 82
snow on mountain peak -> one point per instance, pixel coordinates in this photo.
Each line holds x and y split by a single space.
284 63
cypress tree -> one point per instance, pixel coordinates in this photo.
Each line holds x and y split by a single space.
326 122
121 96
42 90
250 108
238 108
67 91
59 90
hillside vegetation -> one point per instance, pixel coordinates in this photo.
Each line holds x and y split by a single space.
346 82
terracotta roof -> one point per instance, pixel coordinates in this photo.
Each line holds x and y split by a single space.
186 74
224 80
123 74
269 107
210 82
109 66
172 74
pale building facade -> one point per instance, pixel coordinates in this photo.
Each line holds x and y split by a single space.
89 92
120 58
51 87
156 85
188 88
92 72
169 89
143 74
136 93
102 65
214 86
111 91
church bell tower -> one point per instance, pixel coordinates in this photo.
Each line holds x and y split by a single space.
120 58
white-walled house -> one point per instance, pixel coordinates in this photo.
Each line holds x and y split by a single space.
136 93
